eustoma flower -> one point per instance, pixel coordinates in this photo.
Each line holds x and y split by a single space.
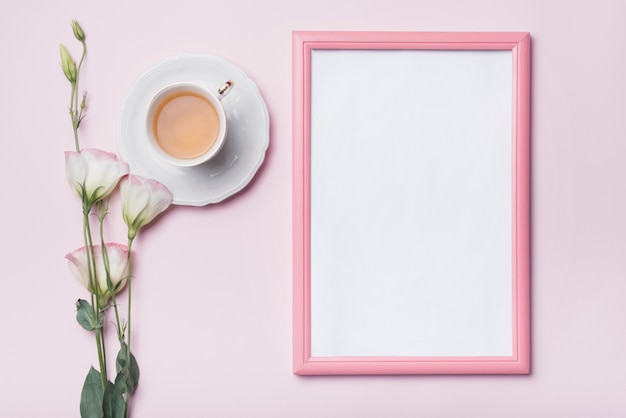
142 200
93 174
105 269
118 268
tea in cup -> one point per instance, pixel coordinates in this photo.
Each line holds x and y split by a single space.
186 123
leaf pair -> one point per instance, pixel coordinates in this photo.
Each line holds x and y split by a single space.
96 403
127 375
110 402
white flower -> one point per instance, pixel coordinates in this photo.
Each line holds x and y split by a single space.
93 174
118 267
142 200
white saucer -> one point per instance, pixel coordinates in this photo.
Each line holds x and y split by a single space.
247 138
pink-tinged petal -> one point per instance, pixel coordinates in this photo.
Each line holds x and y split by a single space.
134 198
160 199
118 265
94 172
75 171
78 266
142 200
104 171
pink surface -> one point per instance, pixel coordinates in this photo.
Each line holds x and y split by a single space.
303 45
213 287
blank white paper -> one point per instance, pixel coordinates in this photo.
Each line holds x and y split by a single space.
411 186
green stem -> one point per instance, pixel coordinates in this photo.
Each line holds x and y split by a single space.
128 332
102 211
73 116
96 298
74 105
93 284
76 144
100 345
80 64
82 58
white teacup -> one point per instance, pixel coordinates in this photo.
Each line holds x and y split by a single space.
186 123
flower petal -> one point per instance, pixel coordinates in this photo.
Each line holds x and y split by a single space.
75 171
117 255
104 171
118 264
134 198
142 200
94 173
78 266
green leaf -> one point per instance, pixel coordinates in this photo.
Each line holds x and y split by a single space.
113 404
120 382
128 378
86 317
91 396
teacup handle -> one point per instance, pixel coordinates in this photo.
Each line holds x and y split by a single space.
224 89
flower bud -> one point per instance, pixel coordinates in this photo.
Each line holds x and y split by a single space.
68 64
78 31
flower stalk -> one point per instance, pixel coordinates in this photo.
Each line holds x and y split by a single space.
95 299
72 72
105 268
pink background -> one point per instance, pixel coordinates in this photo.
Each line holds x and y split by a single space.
213 284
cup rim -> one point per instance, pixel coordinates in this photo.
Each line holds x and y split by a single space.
196 88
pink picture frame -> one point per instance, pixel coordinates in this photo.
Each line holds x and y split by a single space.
411 197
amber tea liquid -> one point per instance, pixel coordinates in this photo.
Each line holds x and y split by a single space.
185 125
